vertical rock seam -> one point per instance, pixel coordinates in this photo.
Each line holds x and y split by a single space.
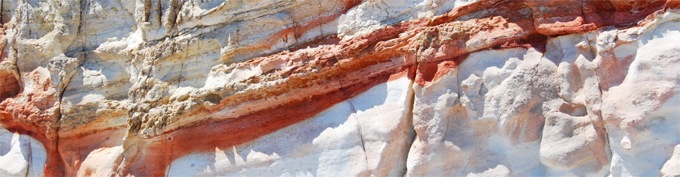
320 88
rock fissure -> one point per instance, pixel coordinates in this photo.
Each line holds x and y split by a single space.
256 72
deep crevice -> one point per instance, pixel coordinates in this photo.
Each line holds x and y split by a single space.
409 116
601 124
30 156
358 123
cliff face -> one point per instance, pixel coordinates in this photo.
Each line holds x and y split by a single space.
351 88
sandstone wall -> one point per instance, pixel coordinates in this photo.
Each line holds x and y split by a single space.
340 88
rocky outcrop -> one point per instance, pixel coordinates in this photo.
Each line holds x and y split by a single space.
358 88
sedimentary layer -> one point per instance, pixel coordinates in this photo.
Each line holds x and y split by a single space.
320 88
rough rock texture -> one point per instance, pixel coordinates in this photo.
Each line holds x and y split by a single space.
349 87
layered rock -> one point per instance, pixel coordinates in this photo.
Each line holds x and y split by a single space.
358 88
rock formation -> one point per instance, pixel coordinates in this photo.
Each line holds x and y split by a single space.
348 87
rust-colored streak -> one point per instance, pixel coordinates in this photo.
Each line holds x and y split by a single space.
10 85
331 72
671 4
435 47
296 31
54 165
33 114
73 150
575 16
153 158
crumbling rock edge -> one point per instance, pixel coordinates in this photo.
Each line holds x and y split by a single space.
451 109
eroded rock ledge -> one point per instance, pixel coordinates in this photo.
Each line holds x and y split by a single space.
384 88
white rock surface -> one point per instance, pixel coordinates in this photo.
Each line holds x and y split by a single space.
20 155
641 113
374 14
368 135
546 114
105 78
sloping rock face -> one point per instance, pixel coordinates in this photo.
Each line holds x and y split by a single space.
340 88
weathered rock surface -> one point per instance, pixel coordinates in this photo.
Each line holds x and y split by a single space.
350 87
